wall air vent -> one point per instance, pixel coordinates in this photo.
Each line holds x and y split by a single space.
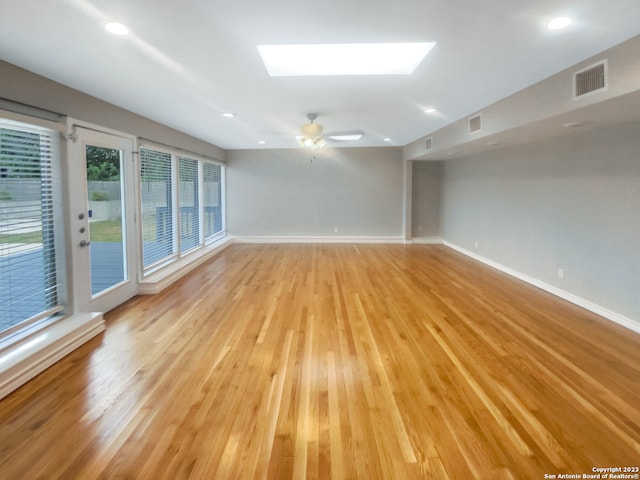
591 79
428 143
475 124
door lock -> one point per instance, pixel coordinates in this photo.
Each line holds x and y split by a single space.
84 243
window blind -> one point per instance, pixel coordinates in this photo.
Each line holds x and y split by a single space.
28 195
189 204
212 174
182 205
158 211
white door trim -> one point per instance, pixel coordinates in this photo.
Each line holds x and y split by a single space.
79 134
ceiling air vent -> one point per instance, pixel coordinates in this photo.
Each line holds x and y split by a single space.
428 143
591 79
475 124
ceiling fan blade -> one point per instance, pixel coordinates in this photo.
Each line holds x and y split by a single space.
344 135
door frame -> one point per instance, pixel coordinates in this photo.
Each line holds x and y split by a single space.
79 135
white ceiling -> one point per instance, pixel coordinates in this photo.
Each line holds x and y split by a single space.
188 61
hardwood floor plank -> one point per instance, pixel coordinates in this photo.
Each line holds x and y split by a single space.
388 402
334 362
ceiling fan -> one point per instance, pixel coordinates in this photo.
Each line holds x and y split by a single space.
313 139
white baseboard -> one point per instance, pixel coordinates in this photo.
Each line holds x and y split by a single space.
35 352
427 240
318 239
570 297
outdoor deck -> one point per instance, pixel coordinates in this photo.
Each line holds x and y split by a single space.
22 272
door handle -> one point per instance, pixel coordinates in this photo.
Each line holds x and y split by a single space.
84 243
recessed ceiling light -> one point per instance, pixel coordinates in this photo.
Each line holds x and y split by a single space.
228 115
261 142
559 23
430 110
116 28
344 59
387 140
573 124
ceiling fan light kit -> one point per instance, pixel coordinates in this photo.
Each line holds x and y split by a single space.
311 134
311 129
313 139
313 143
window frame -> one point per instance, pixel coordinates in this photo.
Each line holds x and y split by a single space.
55 222
203 240
220 199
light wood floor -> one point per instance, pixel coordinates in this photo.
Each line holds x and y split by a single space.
339 361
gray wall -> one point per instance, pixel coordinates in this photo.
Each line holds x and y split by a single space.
545 106
571 202
426 194
283 193
21 86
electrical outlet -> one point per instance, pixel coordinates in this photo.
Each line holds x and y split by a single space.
560 272
419 228
335 229
475 244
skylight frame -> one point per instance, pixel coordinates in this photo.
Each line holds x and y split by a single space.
341 59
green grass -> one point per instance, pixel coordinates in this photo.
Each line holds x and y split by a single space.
32 237
106 231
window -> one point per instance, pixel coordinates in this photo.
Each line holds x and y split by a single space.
29 191
189 228
212 199
182 205
157 193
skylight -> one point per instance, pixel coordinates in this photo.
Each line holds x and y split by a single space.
344 58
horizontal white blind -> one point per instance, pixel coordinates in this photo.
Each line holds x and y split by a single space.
182 205
158 211
212 199
189 204
28 277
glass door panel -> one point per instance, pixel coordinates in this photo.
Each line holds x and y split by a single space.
102 216
107 247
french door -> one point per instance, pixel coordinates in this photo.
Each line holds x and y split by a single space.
102 219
